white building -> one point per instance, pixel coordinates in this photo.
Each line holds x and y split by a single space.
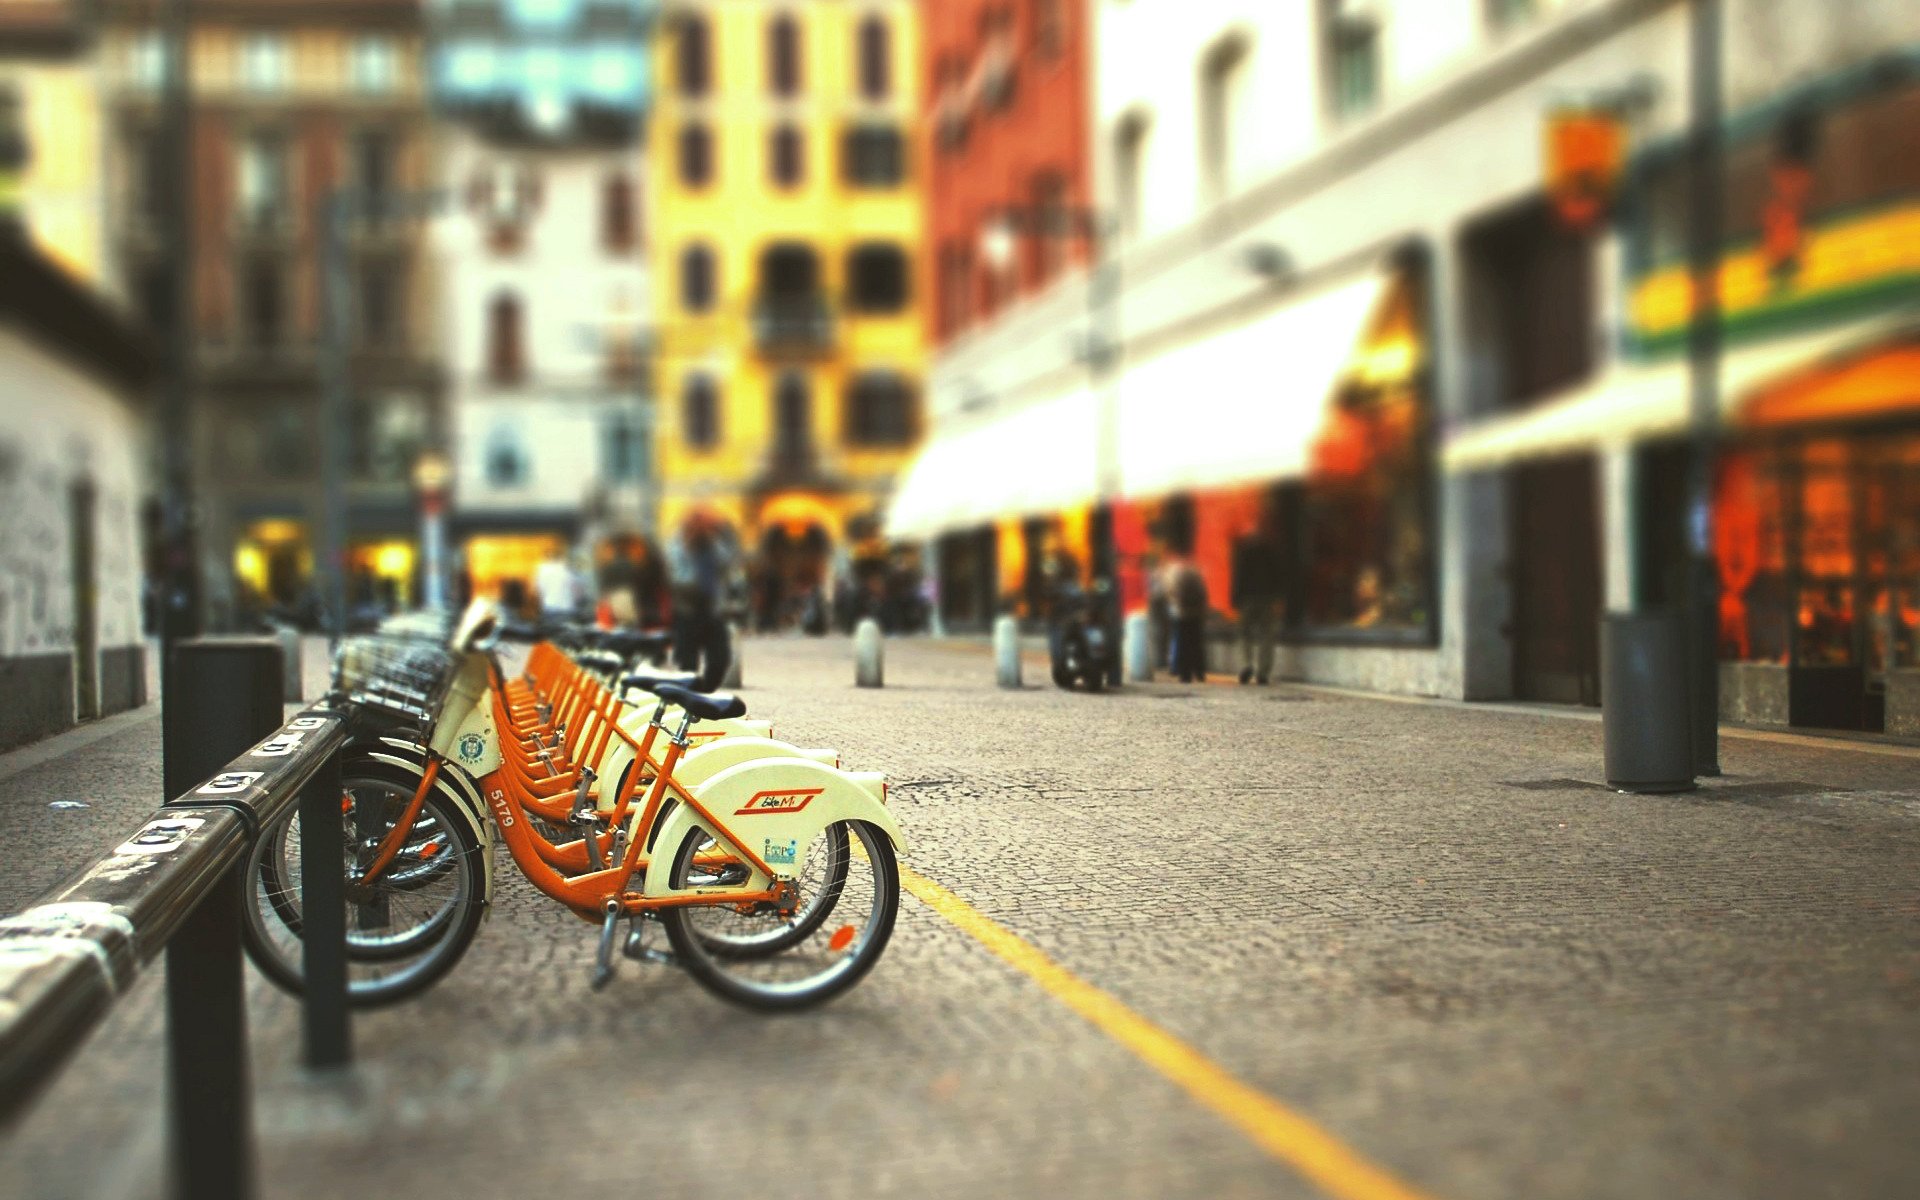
72 437
1339 278
545 284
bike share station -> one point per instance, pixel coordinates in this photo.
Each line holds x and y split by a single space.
777 888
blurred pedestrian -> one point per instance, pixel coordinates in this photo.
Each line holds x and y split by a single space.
554 584
701 560
1256 592
1187 600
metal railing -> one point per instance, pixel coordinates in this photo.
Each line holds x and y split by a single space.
176 883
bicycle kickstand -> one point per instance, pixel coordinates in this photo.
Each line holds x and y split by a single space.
603 958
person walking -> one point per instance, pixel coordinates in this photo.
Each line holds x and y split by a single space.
1187 598
1257 588
701 560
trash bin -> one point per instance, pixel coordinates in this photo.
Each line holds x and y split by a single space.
1644 702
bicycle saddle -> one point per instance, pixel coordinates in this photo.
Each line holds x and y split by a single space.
647 681
716 707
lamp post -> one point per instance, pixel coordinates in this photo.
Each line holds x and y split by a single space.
999 245
1704 220
432 474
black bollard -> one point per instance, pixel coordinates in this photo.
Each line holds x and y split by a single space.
1646 703
223 695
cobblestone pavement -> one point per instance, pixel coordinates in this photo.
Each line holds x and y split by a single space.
1410 922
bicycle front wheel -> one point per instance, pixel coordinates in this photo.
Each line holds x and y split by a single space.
832 952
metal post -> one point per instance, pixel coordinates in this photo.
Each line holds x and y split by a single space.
1104 306
1703 344
335 384
178 600
226 696
323 941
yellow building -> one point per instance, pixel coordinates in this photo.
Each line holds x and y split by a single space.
787 216
52 156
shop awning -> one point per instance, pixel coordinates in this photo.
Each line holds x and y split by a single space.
1637 403
1242 406
1036 459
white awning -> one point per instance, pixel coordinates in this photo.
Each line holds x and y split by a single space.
1245 405
1036 459
1635 403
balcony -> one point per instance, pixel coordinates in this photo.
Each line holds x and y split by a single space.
793 326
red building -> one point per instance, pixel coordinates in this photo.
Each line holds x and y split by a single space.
1009 180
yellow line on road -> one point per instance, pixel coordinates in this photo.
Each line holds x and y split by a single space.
1288 1136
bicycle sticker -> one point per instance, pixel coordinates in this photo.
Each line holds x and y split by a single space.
472 746
780 853
161 836
228 782
789 800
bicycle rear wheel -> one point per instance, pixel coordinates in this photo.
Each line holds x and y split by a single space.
405 930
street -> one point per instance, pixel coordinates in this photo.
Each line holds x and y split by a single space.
1200 940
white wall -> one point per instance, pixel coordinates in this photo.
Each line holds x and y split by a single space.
59 426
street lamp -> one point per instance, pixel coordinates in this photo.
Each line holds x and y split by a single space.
432 475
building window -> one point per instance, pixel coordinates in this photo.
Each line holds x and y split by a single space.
882 409
1129 172
956 288
1366 523
786 156
382 303
1050 27
373 65
698 285
876 58
263 180
783 55
1222 80
506 351
263 62
696 155
700 412
506 458
693 56
623 443
1353 54
877 278
792 419
875 156
263 302
1055 228
373 173
1505 14
618 223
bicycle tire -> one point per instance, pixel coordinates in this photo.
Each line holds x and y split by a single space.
715 972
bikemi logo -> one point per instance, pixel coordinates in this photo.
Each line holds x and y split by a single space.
472 746
789 800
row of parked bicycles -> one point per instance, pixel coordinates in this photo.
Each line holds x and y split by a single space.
664 815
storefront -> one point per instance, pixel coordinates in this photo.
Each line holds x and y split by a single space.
1816 508
1310 416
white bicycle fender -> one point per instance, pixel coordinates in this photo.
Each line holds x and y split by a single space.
466 801
704 762
774 807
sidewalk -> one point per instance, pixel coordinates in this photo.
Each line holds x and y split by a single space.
1419 925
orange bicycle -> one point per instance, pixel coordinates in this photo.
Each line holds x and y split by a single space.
774 881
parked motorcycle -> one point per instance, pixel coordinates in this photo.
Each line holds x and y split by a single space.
1080 637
